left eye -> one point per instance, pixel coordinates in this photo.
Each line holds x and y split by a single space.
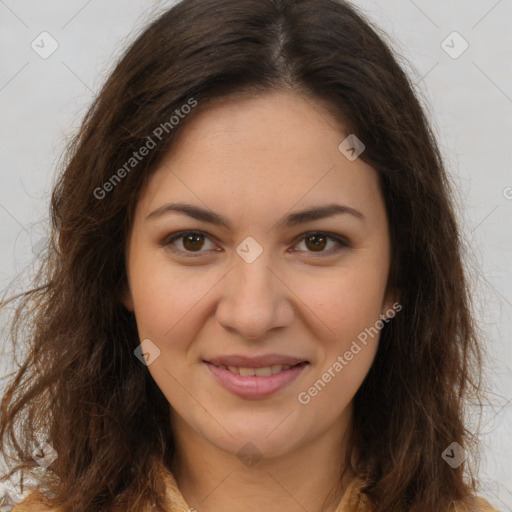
193 241
317 241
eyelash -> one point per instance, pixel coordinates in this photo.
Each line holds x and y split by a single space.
342 243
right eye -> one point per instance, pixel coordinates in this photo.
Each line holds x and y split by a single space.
189 242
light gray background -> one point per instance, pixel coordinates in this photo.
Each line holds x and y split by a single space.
468 99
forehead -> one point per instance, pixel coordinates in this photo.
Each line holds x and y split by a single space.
277 149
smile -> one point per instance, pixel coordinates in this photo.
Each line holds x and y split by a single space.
264 371
256 383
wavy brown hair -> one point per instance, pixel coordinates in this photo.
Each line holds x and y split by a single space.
80 383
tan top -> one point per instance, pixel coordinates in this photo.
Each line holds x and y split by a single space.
351 501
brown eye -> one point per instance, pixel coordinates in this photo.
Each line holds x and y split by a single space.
323 244
316 243
193 242
188 243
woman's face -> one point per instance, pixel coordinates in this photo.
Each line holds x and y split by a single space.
260 284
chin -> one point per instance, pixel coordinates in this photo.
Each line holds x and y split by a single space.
264 439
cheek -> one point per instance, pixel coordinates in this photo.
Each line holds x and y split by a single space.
164 295
335 384
349 306
346 301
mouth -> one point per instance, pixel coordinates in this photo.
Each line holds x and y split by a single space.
256 382
260 371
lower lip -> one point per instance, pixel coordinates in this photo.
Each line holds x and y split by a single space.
254 386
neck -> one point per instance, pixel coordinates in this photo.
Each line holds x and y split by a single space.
311 477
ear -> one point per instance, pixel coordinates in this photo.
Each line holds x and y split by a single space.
391 305
125 297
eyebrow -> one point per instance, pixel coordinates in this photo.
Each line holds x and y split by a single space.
293 219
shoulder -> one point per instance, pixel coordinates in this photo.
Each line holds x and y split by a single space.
478 504
354 500
34 502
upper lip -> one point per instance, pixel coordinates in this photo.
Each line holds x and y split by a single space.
255 361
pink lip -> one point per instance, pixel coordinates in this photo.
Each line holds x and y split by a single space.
254 386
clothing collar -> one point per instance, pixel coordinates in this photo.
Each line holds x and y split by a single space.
351 501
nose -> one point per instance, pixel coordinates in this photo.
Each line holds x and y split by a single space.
255 300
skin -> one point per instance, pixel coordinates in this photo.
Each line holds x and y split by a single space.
255 161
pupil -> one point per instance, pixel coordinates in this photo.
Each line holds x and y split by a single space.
319 241
189 239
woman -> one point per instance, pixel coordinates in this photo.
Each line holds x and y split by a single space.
254 298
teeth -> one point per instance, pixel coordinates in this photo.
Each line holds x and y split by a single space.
276 368
265 371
